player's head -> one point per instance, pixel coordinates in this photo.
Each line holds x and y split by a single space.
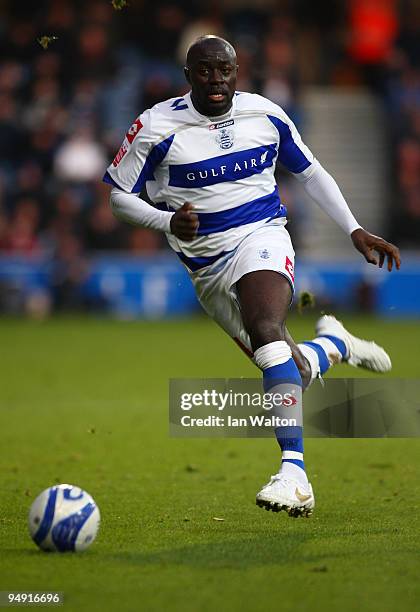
211 71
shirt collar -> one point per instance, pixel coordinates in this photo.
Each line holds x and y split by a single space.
219 118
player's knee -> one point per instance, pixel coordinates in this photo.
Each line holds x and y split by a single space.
264 330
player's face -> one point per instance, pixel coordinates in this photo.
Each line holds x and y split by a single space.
212 76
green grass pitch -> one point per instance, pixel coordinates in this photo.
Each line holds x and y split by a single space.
84 401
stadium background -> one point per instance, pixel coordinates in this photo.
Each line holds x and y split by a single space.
347 72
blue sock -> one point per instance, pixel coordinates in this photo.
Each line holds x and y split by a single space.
290 439
322 347
337 342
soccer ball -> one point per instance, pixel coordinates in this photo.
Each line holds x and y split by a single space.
64 518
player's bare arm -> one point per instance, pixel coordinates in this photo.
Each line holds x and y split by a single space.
367 243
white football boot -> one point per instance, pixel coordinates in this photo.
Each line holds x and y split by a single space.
360 353
286 493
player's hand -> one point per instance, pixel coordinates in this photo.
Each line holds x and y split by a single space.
184 223
367 243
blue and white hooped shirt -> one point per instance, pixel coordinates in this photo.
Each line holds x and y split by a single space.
224 166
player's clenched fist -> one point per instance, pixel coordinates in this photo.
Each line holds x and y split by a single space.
184 223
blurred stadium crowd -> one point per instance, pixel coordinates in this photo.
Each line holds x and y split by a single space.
64 109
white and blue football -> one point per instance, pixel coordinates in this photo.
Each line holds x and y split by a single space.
64 518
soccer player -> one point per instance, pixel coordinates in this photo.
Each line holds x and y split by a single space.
207 160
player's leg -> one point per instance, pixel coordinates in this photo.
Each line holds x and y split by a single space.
300 360
264 298
334 344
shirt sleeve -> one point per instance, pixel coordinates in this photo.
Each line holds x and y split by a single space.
141 152
323 189
132 209
293 154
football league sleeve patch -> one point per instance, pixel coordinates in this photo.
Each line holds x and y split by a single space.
139 155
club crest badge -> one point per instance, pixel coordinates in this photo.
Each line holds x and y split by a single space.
224 138
264 254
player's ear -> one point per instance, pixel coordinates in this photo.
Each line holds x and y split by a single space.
187 74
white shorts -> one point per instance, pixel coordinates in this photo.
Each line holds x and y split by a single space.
267 248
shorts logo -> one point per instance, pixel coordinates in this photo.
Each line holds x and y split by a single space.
134 130
225 138
289 268
264 254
